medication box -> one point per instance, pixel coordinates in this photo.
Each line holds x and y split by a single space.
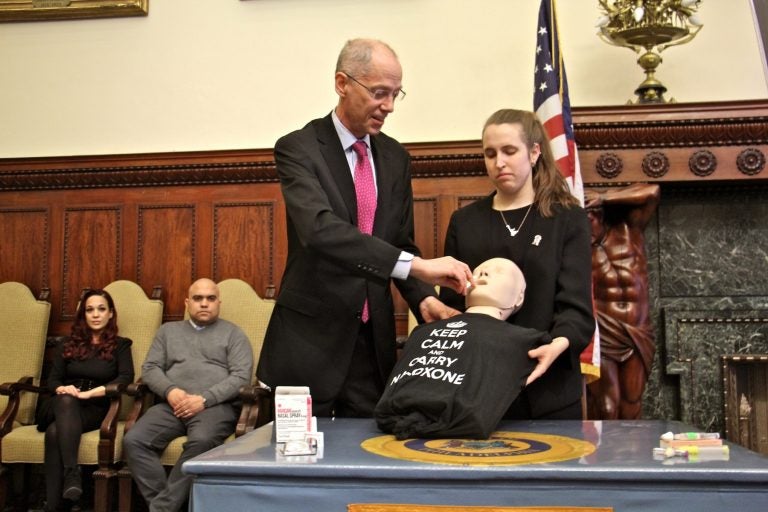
293 412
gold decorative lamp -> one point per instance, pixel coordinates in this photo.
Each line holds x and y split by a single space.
645 25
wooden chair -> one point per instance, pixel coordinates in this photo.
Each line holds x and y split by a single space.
138 318
23 329
241 305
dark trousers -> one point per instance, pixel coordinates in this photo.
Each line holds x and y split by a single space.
362 386
145 442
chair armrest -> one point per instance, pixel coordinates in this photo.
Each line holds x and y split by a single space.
13 391
136 389
142 398
23 384
114 392
108 429
257 409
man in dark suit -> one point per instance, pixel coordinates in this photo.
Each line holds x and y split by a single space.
333 327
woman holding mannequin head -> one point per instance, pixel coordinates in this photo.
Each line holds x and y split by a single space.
532 219
92 357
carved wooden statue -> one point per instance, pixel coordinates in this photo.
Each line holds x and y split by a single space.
620 278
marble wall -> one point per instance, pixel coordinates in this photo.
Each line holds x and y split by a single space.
708 274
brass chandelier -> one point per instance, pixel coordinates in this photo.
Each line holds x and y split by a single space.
645 26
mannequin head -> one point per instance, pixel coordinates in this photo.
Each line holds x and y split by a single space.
499 288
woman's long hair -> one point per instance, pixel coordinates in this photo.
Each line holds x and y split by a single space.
78 345
549 186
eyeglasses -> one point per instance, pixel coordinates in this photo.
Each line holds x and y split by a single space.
379 94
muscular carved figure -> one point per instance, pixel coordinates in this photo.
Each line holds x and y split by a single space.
620 277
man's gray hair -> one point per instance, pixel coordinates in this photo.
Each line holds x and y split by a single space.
355 56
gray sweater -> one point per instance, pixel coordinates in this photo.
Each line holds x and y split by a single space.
213 362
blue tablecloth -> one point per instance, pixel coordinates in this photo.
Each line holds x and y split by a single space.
250 473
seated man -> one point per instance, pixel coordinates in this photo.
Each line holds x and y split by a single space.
458 376
198 366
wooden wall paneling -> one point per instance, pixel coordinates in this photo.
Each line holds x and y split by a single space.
426 225
280 253
204 235
166 252
170 201
467 200
436 197
91 252
244 243
448 194
130 244
427 239
25 247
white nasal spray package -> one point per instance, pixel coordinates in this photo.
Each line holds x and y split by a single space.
293 413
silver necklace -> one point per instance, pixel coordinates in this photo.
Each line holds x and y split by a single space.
513 231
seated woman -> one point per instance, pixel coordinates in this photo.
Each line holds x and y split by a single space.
458 376
92 357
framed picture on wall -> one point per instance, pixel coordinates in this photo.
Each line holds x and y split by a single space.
760 13
42 10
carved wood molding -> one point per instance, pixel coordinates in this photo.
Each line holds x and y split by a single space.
694 142
256 166
614 142
666 133
119 176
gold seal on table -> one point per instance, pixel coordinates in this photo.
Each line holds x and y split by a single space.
502 448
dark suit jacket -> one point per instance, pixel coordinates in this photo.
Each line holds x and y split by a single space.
331 267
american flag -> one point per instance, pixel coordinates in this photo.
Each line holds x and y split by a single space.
553 107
